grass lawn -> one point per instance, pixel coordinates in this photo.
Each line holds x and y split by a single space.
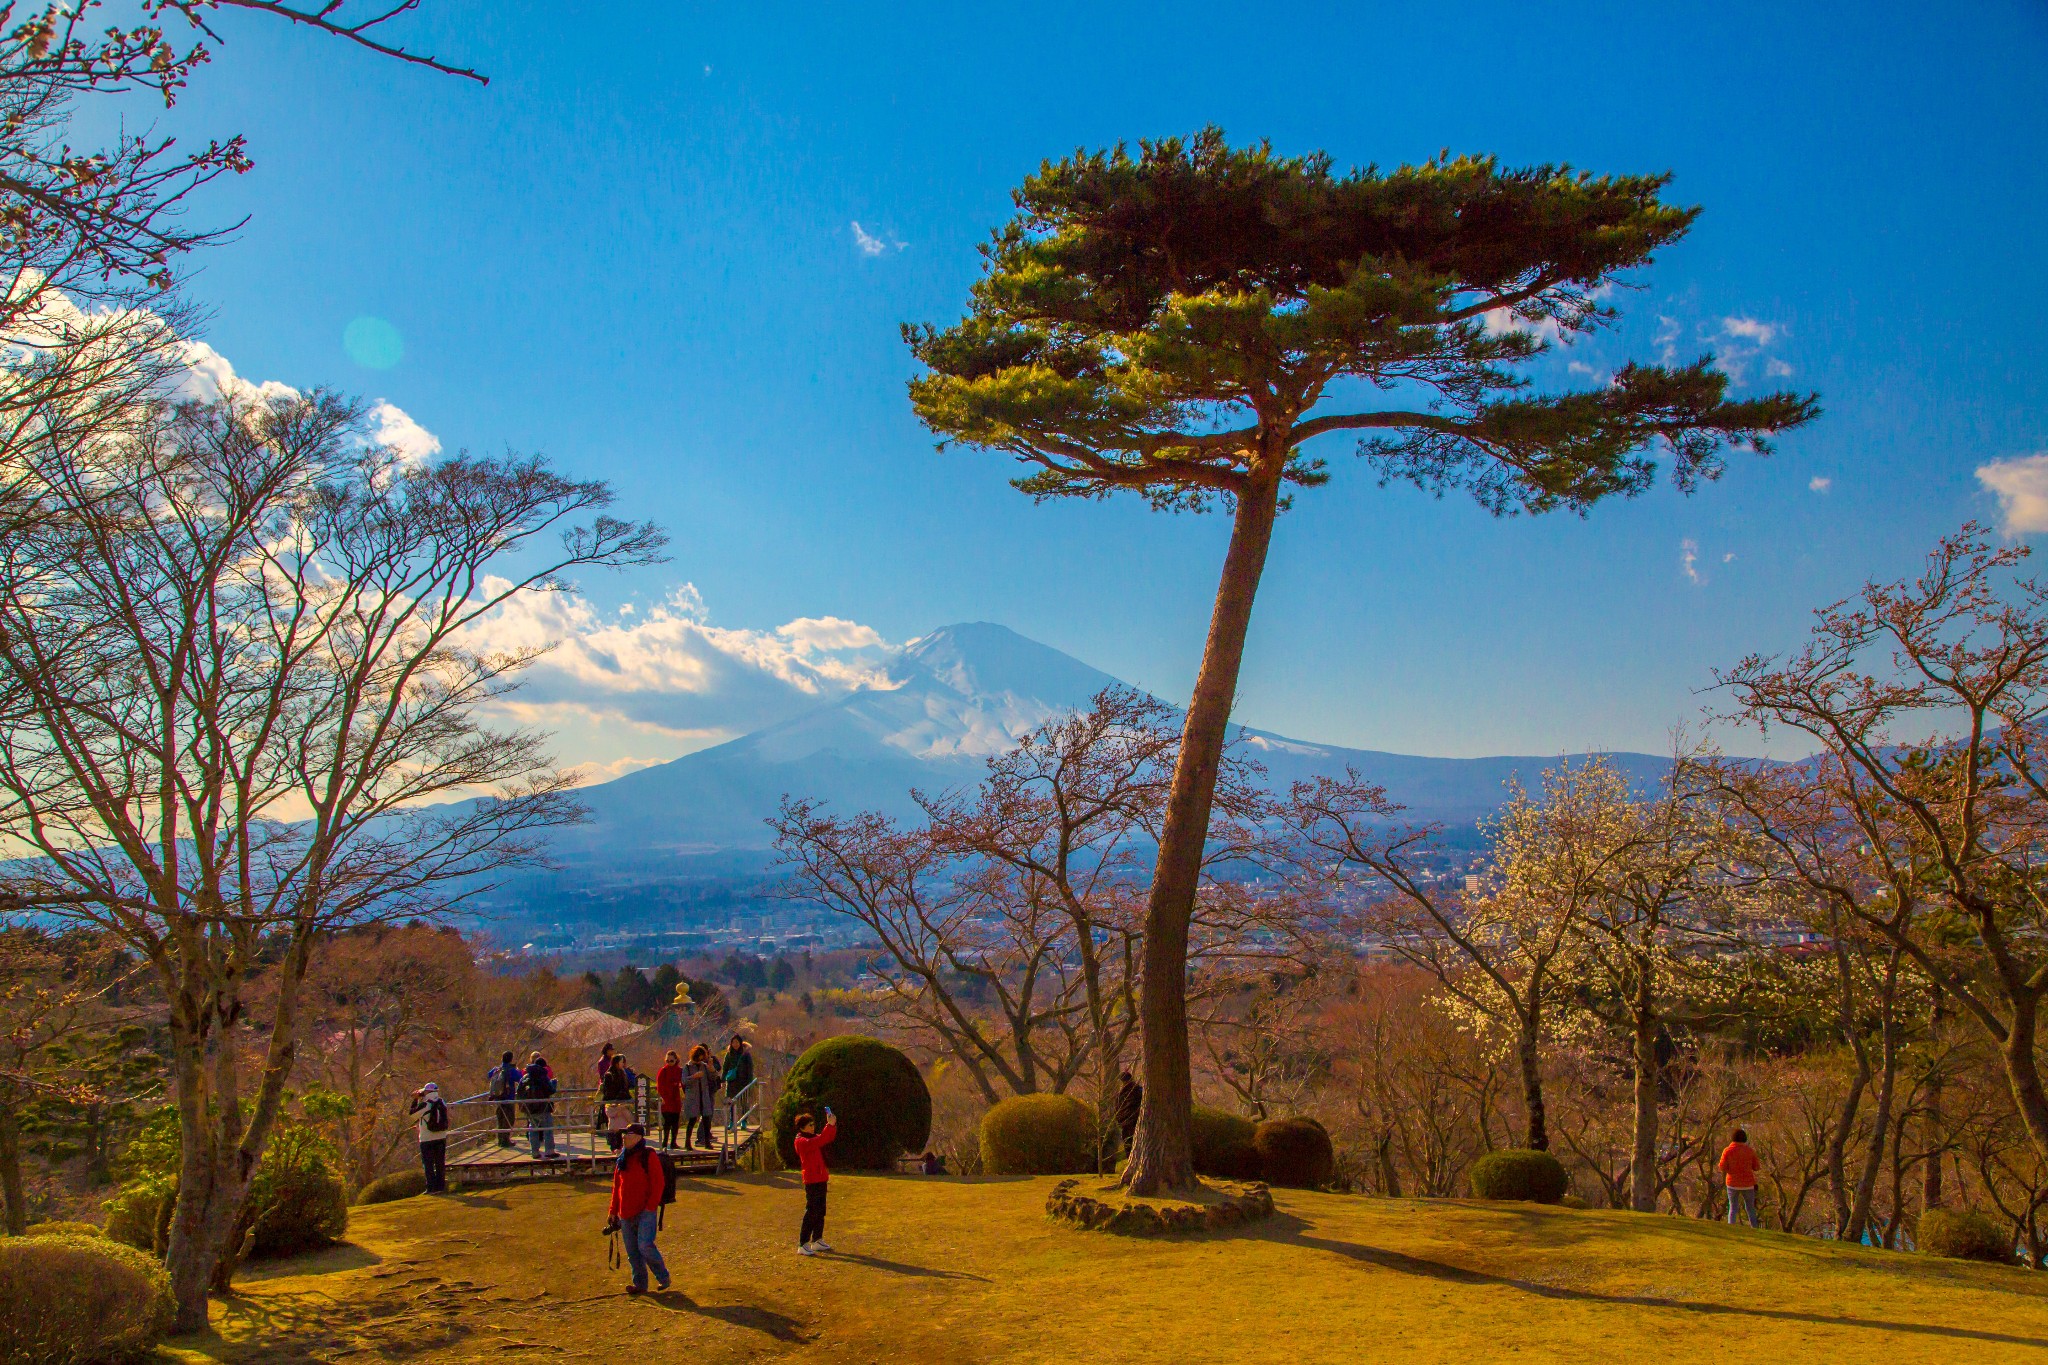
939 1270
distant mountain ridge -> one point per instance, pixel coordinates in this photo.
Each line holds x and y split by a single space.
955 697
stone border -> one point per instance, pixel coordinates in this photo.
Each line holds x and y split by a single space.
1243 1202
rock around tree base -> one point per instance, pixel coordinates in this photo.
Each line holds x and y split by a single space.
1220 1204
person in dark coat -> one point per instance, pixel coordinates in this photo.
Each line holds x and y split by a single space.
536 1096
504 1088
617 1094
700 1097
1130 1099
738 1071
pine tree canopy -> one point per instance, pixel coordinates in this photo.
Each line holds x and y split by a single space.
1179 322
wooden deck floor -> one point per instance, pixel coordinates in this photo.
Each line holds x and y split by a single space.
580 1152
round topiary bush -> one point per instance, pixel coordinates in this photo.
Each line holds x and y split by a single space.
296 1201
1965 1234
1296 1153
1520 1173
883 1107
397 1185
1038 1135
60 1229
67 1300
1224 1145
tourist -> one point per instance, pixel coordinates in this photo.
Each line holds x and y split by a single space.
700 1096
1738 1168
604 1062
617 1095
638 1183
810 1154
738 1071
537 1089
668 1084
1130 1100
504 1088
433 1129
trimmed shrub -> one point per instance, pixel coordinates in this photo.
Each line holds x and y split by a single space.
397 1185
71 1299
1038 1135
296 1202
1224 1145
1296 1153
883 1107
58 1229
1965 1234
1520 1173
140 1215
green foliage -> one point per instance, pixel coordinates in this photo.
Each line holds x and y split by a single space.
76 1300
63 1229
1519 1173
1296 1153
1965 1234
1224 1144
1038 1135
397 1185
296 1201
1167 322
883 1106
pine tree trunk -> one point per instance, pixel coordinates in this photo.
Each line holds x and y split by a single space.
10 1171
1162 1156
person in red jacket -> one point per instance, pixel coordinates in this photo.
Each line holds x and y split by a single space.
1738 1167
637 1186
668 1083
810 1147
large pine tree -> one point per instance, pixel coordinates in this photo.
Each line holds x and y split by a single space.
1181 323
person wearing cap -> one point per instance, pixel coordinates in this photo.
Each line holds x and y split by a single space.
637 1187
433 1130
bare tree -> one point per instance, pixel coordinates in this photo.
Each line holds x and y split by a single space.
1947 821
239 661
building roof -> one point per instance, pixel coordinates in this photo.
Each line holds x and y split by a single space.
588 1028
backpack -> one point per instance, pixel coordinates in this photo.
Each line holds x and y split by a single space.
503 1087
533 1086
668 1187
437 1117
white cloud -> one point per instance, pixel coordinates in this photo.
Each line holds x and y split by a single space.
1777 369
1689 561
1759 334
1666 340
869 244
590 774
1817 484
413 442
2021 484
1728 558
666 671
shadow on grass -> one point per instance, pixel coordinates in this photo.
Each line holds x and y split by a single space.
476 1201
780 1326
1288 1228
900 1268
326 1261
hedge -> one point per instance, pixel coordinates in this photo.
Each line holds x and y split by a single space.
1225 1145
1519 1173
1038 1135
1965 1234
1296 1153
67 1299
397 1185
883 1106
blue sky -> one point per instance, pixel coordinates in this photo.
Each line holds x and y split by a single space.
635 250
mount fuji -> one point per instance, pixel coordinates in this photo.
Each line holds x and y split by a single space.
953 698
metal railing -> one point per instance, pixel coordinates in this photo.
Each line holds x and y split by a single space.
575 1125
